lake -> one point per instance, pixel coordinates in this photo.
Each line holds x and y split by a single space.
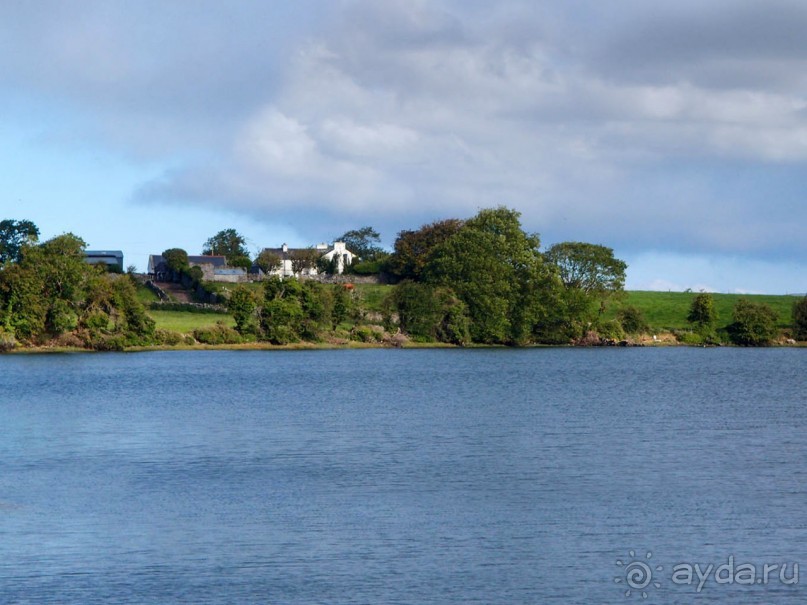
490 476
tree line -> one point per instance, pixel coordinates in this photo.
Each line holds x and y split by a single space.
481 280
48 293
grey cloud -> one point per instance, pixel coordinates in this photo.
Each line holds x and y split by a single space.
729 44
579 113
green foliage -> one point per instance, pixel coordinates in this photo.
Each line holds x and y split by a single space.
328 266
228 243
495 269
303 259
131 319
413 249
754 324
702 312
14 235
52 292
591 275
632 320
342 305
368 267
362 242
667 311
195 274
168 338
268 261
687 337
610 330
429 313
185 321
587 267
243 304
800 319
242 262
176 259
218 334
366 334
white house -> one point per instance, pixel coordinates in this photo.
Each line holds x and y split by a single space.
338 251
343 256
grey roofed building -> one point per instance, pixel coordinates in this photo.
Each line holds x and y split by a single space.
158 268
111 258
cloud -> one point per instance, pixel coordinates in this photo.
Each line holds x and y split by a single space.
678 126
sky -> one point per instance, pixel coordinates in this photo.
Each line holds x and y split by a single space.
674 132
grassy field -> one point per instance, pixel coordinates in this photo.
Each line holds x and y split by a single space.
371 296
669 310
185 322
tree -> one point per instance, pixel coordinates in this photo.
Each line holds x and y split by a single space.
800 319
303 259
51 291
176 259
228 243
413 249
243 304
590 268
268 261
590 275
13 236
703 315
431 313
495 269
754 324
362 242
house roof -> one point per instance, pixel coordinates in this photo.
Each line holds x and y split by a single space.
100 253
155 260
286 255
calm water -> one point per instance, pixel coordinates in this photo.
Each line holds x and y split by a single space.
385 476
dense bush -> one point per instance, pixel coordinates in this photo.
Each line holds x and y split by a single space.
218 334
632 320
366 334
754 324
168 337
688 337
610 330
428 313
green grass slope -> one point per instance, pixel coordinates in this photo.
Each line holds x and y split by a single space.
669 310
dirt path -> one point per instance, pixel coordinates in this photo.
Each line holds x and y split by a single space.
176 292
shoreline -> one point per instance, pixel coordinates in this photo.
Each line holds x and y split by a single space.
313 346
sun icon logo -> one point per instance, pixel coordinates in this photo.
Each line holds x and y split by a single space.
638 575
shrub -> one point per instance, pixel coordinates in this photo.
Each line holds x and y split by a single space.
367 267
7 341
366 334
754 324
688 338
168 337
632 320
218 334
104 342
611 330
